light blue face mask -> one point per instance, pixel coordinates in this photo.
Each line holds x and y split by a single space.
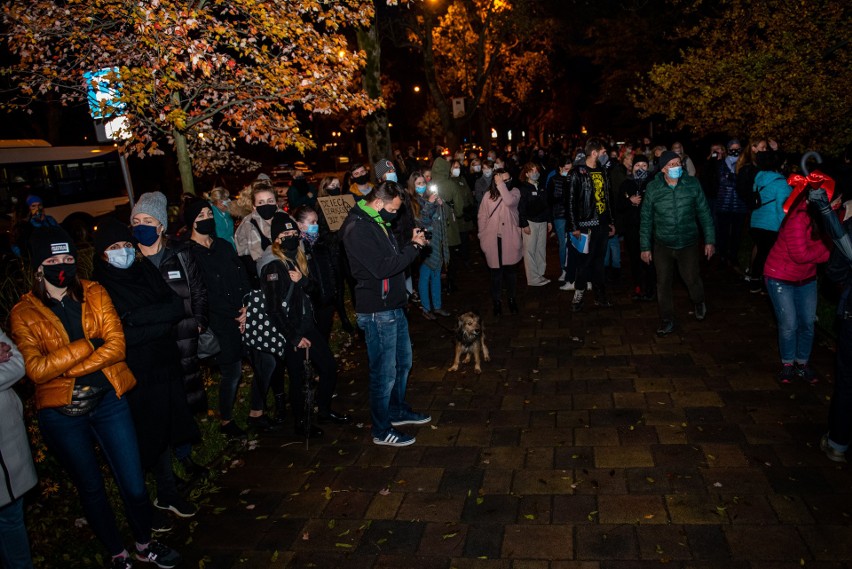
313 229
390 177
675 172
420 189
121 258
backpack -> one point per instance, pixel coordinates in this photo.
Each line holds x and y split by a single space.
756 201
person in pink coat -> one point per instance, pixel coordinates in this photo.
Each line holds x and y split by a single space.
791 281
500 237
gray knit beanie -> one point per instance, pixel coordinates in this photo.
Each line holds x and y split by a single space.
153 204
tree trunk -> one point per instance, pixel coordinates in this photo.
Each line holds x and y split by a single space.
378 134
445 111
184 162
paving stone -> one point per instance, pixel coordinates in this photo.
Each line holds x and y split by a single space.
600 481
599 542
637 435
770 543
724 455
438 507
627 509
544 481
749 509
330 535
673 456
384 507
541 457
391 537
348 505
707 542
409 562
790 509
484 540
596 436
623 457
685 509
665 543
829 543
490 508
443 539
538 542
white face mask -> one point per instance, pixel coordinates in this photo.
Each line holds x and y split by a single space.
121 258
456 172
477 168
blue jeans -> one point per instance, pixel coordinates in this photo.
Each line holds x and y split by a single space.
613 253
73 440
14 544
795 309
389 353
429 287
561 240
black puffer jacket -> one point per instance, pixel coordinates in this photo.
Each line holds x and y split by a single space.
584 210
181 273
557 193
323 268
292 316
533 205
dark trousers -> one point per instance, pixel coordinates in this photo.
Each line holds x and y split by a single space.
686 259
729 233
591 265
840 411
763 241
504 274
323 362
264 365
644 274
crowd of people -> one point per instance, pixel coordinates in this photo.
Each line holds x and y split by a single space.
117 360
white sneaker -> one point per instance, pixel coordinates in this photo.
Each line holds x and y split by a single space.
567 286
562 276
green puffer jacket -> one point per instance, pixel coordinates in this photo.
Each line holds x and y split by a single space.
670 216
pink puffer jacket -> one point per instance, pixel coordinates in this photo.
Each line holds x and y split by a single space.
795 255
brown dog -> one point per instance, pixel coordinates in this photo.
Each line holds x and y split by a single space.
470 339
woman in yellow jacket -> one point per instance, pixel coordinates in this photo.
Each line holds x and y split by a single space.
73 347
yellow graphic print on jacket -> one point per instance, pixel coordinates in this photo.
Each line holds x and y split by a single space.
599 185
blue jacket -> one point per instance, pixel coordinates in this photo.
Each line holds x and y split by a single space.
774 191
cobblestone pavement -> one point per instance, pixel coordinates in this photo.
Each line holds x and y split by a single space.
631 451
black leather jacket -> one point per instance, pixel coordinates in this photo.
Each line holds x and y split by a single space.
582 205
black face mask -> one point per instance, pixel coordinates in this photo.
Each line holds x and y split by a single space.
387 216
266 211
60 275
335 191
290 244
361 180
206 226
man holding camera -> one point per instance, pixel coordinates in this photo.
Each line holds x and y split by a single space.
378 263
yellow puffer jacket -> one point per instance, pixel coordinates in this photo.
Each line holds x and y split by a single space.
53 362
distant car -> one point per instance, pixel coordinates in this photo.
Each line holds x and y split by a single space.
303 168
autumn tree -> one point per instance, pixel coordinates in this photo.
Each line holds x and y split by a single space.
464 43
197 74
768 68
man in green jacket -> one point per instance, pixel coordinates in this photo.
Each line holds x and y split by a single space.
673 206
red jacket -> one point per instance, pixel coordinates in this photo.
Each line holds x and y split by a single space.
795 255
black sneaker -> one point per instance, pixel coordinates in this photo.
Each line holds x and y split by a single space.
806 373
333 417
121 563
786 374
160 555
577 301
394 438
666 328
260 424
178 506
411 418
232 430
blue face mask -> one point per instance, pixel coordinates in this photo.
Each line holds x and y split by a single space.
122 258
146 234
420 189
390 177
675 172
313 229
